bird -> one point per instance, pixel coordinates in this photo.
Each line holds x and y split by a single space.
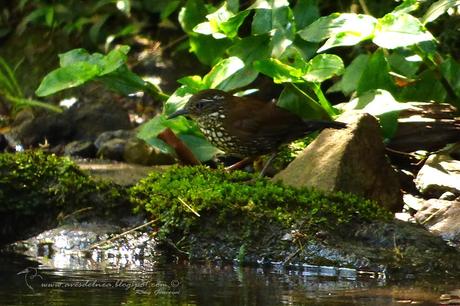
247 127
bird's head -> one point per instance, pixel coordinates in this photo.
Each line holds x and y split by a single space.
203 103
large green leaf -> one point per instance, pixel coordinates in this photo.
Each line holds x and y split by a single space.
222 71
376 74
207 49
192 14
305 12
251 48
280 72
301 102
323 67
67 77
78 67
400 30
350 80
341 29
450 69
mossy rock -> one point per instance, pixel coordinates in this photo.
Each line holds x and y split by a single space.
36 188
238 212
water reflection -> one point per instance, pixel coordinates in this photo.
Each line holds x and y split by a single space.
24 283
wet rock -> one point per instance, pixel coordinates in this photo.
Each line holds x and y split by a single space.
442 218
92 119
85 149
439 174
426 126
31 129
350 160
112 149
113 134
138 152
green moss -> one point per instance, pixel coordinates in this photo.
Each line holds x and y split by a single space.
237 208
32 181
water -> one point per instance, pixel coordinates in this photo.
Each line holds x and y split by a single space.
206 284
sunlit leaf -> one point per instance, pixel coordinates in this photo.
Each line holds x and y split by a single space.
351 27
400 30
222 71
280 72
323 67
67 77
437 9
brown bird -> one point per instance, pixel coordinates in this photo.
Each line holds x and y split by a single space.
247 127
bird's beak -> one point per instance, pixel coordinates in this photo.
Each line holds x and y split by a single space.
181 112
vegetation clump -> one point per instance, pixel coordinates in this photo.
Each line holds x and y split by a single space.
196 204
32 182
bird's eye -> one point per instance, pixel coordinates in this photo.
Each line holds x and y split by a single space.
201 104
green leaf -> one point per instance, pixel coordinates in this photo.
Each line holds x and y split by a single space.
208 50
200 147
239 79
407 6
178 99
382 104
427 88
270 15
450 70
67 77
404 63
222 71
400 30
78 67
301 102
323 67
280 72
350 80
350 29
251 48
185 129
75 56
123 81
437 9
231 26
305 12
376 74
193 81
192 14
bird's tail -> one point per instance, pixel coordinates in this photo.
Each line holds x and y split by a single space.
324 124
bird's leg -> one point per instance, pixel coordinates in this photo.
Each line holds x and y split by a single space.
240 164
267 163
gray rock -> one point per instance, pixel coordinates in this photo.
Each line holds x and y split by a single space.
31 129
108 135
112 149
91 119
439 174
350 160
441 218
85 149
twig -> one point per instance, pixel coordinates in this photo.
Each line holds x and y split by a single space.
120 235
189 207
184 154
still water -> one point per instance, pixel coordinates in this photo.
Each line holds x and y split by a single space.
24 282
